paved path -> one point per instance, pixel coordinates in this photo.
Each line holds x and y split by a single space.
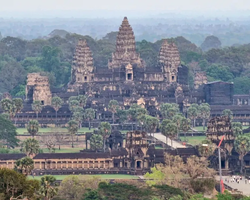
242 186
162 138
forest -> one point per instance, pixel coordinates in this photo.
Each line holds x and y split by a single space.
53 56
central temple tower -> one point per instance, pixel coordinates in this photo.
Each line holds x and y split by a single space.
125 53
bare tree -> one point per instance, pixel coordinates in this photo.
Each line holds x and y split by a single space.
60 137
49 141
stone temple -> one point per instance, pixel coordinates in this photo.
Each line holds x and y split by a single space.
128 80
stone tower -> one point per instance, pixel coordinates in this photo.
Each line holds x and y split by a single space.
82 66
125 53
169 59
38 88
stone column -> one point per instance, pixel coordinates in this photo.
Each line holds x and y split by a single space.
56 164
40 165
67 164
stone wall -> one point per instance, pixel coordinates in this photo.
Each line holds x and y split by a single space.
38 88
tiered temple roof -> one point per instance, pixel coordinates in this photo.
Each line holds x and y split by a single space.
82 63
125 47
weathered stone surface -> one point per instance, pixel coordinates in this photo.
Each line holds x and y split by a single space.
169 59
200 79
125 48
82 66
38 88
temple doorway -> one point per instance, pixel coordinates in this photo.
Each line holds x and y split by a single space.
138 164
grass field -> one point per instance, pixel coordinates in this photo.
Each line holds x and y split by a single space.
21 131
195 140
102 176
64 150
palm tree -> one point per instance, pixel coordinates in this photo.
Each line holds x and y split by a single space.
18 102
122 115
177 120
33 127
89 114
37 107
242 147
168 110
151 124
169 130
113 107
141 115
30 147
237 128
82 99
204 112
185 126
24 165
8 107
73 105
47 190
163 130
228 113
72 129
96 142
192 114
105 130
56 103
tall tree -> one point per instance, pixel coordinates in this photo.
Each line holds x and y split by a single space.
37 107
122 116
141 116
151 124
192 114
72 129
105 130
18 102
113 107
242 146
56 103
78 115
8 107
47 190
8 132
14 185
73 104
89 115
96 142
204 113
30 147
168 110
237 128
177 120
228 112
33 127
82 99
185 126
169 130
24 165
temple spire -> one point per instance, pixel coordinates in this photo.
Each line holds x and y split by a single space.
125 47
82 66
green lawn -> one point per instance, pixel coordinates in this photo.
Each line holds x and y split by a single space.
103 176
195 140
63 150
21 131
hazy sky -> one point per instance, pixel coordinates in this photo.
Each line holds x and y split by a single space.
32 5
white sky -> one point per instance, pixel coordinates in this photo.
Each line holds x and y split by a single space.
42 5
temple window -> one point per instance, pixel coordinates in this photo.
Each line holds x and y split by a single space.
85 78
172 78
42 102
129 76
